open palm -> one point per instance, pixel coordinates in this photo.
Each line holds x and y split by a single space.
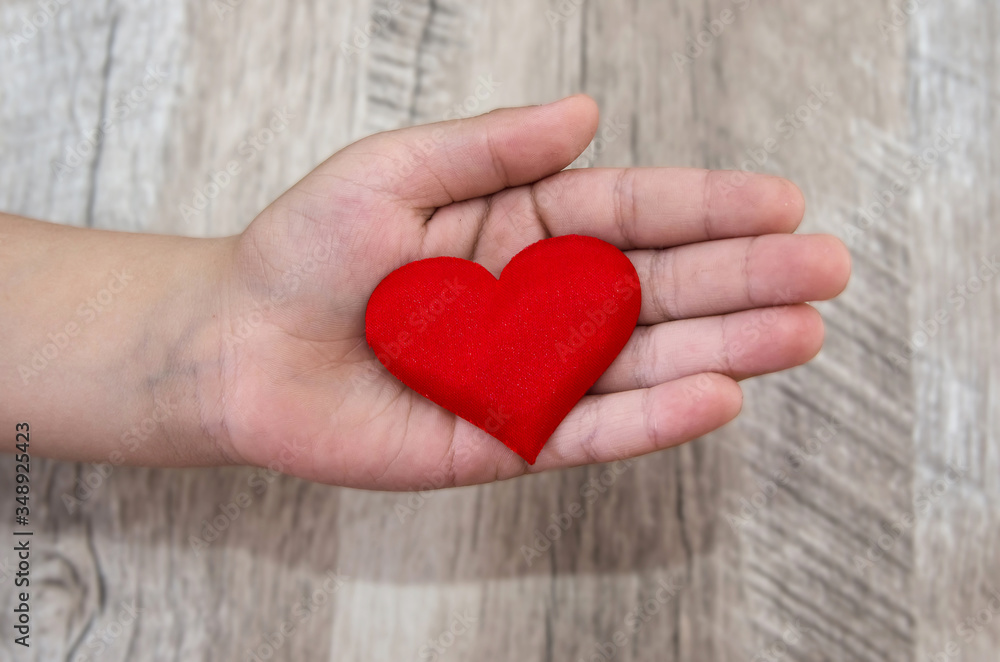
723 286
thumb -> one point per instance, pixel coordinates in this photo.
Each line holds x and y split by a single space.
436 164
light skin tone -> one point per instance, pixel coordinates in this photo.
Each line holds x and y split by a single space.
251 349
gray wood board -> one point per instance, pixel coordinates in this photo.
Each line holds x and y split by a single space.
760 552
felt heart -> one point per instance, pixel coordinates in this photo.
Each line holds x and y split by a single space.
511 356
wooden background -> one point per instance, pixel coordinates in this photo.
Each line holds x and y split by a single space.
761 551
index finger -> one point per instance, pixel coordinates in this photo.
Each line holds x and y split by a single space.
659 207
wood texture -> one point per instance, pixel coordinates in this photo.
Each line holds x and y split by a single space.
748 544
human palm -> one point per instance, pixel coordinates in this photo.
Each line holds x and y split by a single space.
722 281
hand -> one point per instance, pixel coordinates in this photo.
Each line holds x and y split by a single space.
723 285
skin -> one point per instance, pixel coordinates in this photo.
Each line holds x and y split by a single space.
251 349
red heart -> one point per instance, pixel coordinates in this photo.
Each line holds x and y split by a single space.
511 356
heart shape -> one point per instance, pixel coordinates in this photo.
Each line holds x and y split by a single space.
511 356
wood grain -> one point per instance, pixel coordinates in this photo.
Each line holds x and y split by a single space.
747 544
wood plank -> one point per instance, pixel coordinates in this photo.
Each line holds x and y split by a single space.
952 64
759 538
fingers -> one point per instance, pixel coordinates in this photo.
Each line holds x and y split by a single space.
655 207
725 276
741 345
604 428
434 165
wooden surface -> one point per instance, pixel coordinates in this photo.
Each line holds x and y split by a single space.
759 545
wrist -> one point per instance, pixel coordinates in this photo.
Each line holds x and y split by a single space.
187 332
111 348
